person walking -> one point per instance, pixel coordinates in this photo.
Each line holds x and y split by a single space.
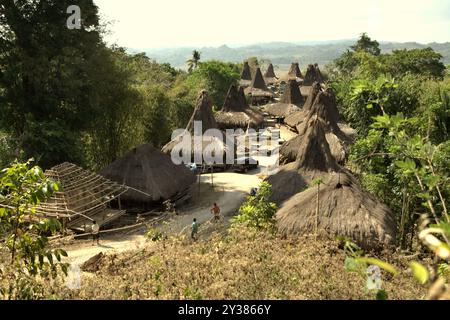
95 233
216 212
194 230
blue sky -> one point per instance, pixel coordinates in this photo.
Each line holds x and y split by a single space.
171 23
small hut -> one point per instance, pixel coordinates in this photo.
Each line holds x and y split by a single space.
236 113
289 102
258 90
270 76
149 170
246 75
294 71
344 210
313 159
312 75
200 141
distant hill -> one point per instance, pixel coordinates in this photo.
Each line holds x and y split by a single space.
281 53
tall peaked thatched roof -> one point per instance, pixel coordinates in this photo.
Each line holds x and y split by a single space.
258 81
292 94
344 210
242 98
236 113
296 118
246 72
313 159
294 71
233 101
289 102
203 112
270 72
149 170
312 75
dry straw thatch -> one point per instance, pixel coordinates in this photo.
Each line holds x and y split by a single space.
294 71
312 75
202 113
313 159
258 81
344 210
149 170
236 113
323 107
246 72
270 73
289 102
296 118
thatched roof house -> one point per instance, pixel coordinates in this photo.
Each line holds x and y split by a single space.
202 113
246 75
313 74
149 170
270 76
296 118
324 108
258 90
344 210
289 102
294 71
313 159
236 113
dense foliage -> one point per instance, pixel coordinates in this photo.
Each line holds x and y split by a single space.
66 96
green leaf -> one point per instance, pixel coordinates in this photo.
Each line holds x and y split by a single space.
419 272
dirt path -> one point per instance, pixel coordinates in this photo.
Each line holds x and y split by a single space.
229 191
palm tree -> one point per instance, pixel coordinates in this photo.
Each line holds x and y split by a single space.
194 61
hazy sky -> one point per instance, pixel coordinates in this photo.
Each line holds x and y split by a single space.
170 23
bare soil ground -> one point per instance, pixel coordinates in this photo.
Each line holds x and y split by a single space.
227 189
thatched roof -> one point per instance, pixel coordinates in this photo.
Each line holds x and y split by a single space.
281 110
296 118
290 150
203 113
83 194
230 120
151 171
344 210
289 102
242 98
313 74
233 101
292 94
313 159
258 81
294 71
324 108
246 72
270 73
270 76
236 113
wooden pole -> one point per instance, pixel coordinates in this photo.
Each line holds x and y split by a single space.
212 176
317 211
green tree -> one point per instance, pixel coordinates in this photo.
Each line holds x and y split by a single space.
23 232
366 44
194 61
258 212
47 75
